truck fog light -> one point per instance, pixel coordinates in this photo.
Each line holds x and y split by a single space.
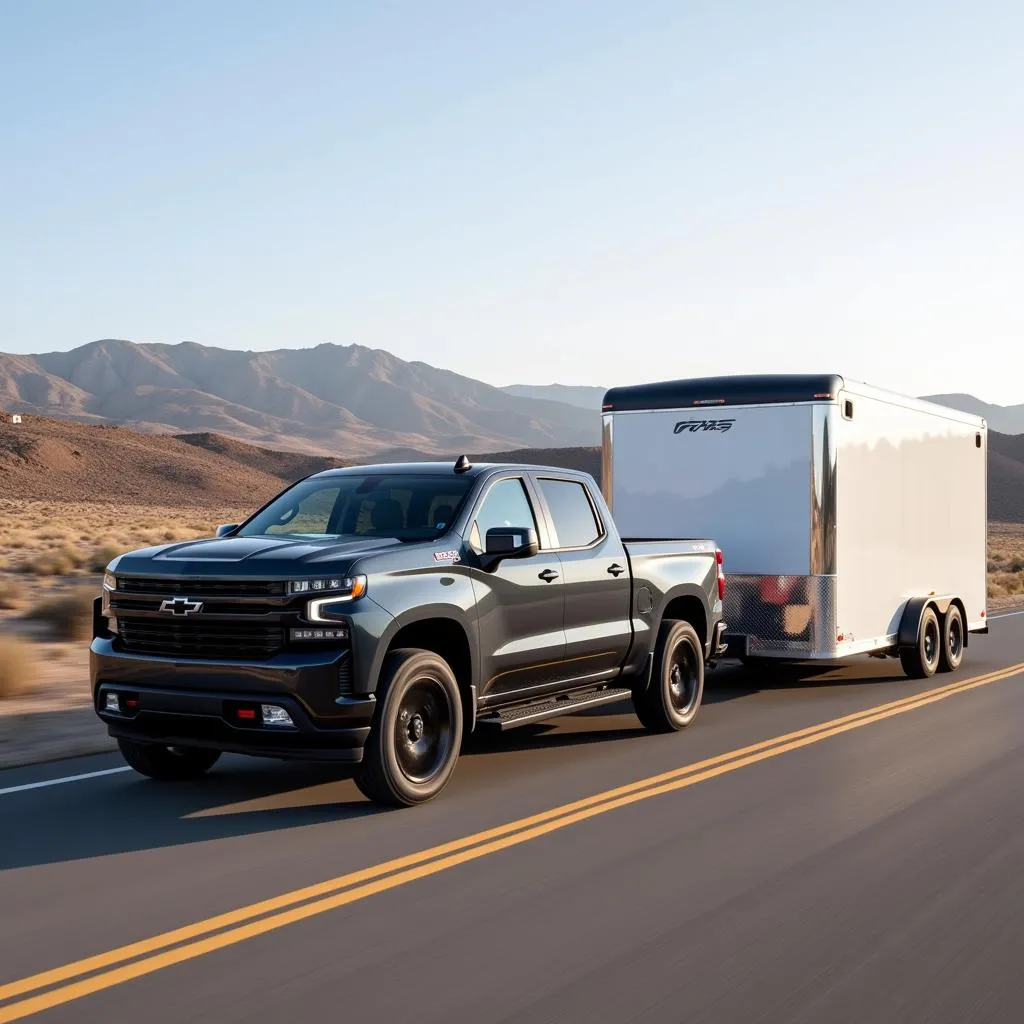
274 715
112 702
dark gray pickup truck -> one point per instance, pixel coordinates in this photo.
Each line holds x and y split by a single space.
377 615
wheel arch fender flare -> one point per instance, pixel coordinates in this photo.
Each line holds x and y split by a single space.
913 612
422 615
679 593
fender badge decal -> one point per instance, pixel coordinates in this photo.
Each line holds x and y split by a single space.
447 556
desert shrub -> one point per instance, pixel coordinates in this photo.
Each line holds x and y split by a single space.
68 617
1005 584
56 562
103 556
17 667
48 563
11 595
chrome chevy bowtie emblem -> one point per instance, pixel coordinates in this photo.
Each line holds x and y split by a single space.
181 606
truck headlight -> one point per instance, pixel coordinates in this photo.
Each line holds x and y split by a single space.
331 608
109 586
344 587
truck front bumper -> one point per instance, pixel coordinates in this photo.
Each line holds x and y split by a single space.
184 702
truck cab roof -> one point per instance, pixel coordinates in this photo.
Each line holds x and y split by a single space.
449 468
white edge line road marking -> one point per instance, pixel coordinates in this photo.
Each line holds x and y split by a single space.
67 778
127 768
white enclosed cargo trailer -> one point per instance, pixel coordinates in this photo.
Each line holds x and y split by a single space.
853 520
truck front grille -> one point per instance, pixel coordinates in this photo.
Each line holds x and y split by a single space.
200 639
199 587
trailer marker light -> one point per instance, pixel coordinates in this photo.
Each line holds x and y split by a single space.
112 702
276 716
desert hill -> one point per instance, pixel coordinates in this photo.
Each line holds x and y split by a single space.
58 460
325 399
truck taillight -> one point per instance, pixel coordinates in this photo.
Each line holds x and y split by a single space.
719 561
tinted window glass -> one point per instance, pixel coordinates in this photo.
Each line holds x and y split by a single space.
400 505
506 504
571 513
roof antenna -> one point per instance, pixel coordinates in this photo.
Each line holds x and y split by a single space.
462 463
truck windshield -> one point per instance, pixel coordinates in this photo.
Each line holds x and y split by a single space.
402 506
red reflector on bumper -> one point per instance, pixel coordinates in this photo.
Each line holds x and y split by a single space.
247 713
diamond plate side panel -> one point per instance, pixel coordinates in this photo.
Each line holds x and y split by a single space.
803 626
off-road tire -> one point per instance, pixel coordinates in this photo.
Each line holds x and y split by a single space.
672 698
414 684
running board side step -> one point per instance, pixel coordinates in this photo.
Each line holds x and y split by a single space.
527 714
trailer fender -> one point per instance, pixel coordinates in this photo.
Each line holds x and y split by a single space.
910 622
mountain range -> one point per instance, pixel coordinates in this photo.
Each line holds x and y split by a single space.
338 400
331 399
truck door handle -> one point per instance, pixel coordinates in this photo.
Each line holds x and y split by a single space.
615 569
547 575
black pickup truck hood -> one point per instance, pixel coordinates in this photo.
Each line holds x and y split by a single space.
252 556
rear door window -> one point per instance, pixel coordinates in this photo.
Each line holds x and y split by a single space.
572 515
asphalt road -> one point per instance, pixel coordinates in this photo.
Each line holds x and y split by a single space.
871 869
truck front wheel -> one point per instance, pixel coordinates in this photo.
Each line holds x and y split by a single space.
169 764
416 733
672 698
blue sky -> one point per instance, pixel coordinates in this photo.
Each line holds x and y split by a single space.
583 192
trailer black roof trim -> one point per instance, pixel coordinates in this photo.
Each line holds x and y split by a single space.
747 389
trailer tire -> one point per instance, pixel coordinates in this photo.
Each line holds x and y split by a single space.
416 733
922 660
951 655
672 698
168 764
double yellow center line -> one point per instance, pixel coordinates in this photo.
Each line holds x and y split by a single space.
105 970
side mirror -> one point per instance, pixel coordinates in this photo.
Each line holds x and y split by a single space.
510 542
226 528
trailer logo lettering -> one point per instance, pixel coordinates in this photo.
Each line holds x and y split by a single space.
695 426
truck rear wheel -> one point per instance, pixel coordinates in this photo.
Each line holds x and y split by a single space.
951 655
672 698
169 764
417 731
922 660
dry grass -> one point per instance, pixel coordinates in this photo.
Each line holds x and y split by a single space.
1006 560
11 595
48 538
18 672
67 617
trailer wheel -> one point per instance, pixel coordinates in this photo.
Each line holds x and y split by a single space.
951 655
671 700
417 731
922 660
168 764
